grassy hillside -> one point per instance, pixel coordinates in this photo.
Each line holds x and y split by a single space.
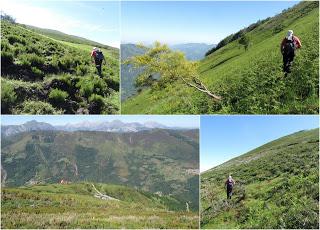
159 161
249 81
43 75
74 206
70 38
277 186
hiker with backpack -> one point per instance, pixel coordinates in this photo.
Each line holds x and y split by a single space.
288 46
97 58
229 186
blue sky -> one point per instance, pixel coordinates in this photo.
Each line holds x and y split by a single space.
181 22
96 20
169 120
225 137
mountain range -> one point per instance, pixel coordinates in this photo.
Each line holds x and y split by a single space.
193 51
105 126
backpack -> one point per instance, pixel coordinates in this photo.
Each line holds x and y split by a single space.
229 183
289 47
99 56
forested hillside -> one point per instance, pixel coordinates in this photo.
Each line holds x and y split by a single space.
51 73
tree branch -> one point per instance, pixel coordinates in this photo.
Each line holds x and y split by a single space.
201 87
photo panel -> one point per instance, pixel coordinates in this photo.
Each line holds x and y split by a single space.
60 57
225 57
100 172
259 172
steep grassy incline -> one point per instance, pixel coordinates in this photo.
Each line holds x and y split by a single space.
43 75
250 81
159 161
277 186
70 38
74 206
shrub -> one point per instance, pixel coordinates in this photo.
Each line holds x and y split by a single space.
82 70
37 72
96 104
36 107
16 39
57 96
86 87
66 63
31 60
8 97
5 45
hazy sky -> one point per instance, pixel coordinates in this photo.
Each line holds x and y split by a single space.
225 137
181 22
95 20
169 120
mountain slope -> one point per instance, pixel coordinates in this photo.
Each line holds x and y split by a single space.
277 186
68 38
42 75
74 206
249 81
157 160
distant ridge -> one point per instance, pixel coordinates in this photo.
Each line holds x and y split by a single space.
105 126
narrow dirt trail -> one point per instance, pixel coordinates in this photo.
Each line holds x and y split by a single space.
102 196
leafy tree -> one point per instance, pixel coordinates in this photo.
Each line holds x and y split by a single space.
8 18
161 66
245 41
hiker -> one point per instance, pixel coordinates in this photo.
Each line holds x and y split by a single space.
288 46
229 184
97 58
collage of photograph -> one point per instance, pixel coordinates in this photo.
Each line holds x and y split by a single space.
126 114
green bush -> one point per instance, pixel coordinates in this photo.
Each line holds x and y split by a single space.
97 99
5 45
66 63
31 60
36 107
37 72
82 70
8 97
96 104
57 96
86 87
16 39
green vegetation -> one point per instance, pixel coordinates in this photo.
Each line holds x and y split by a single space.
74 206
249 80
158 161
54 70
277 186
